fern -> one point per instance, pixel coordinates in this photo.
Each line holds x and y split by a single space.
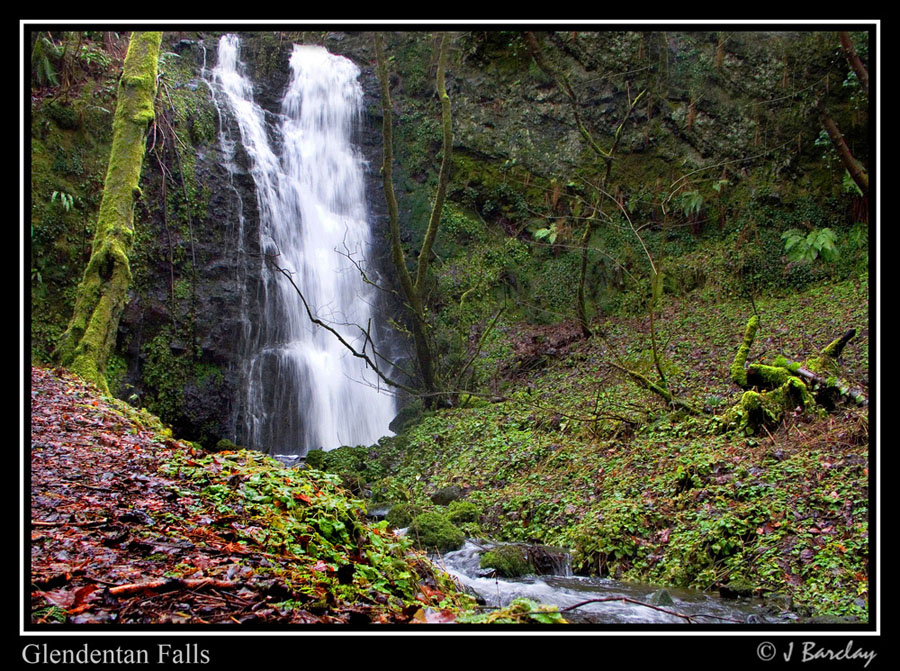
42 67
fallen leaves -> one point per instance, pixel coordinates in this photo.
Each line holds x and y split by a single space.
130 526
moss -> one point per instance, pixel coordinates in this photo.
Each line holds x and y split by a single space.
823 365
65 116
738 370
402 514
509 561
434 531
768 377
756 409
226 445
461 512
316 459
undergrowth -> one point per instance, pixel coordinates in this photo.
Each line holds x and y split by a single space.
578 456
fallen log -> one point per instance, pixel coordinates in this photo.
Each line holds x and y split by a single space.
650 385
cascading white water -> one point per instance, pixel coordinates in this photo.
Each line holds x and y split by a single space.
303 389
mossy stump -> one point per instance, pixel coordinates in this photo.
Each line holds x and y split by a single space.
773 390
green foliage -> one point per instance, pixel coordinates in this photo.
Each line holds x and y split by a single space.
402 514
44 53
65 199
691 203
461 512
304 513
657 497
92 56
520 611
806 248
460 226
849 185
550 234
351 463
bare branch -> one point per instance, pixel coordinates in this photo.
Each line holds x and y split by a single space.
360 355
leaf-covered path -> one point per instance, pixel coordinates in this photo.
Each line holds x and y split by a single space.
115 540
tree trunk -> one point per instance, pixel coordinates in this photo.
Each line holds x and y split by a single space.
580 306
100 298
414 290
854 167
853 58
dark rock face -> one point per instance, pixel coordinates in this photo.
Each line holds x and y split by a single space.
190 278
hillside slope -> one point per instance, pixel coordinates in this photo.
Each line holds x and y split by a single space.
129 525
579 456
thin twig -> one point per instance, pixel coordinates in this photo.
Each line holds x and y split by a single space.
634 601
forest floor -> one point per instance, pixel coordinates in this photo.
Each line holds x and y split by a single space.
579 456
129 525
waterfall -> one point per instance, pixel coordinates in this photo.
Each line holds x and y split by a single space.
301 388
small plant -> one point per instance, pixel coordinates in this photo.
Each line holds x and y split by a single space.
92 56
44 53
849 186
550 234
691 203
807 247
65 199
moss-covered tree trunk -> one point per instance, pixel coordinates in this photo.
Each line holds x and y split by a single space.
100 298
774 390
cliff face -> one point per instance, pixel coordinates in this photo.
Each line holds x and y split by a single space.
724 134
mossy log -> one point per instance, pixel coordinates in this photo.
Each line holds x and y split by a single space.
100 297
647 383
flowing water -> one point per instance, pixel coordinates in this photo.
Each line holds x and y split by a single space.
302 389
565 590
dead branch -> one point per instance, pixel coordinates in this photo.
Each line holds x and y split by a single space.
360 355
171 584
689 618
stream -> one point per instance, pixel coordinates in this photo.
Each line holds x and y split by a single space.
565 590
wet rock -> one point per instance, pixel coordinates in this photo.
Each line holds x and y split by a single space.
735 589
405 417
779 603
661 598
446 495
513 560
